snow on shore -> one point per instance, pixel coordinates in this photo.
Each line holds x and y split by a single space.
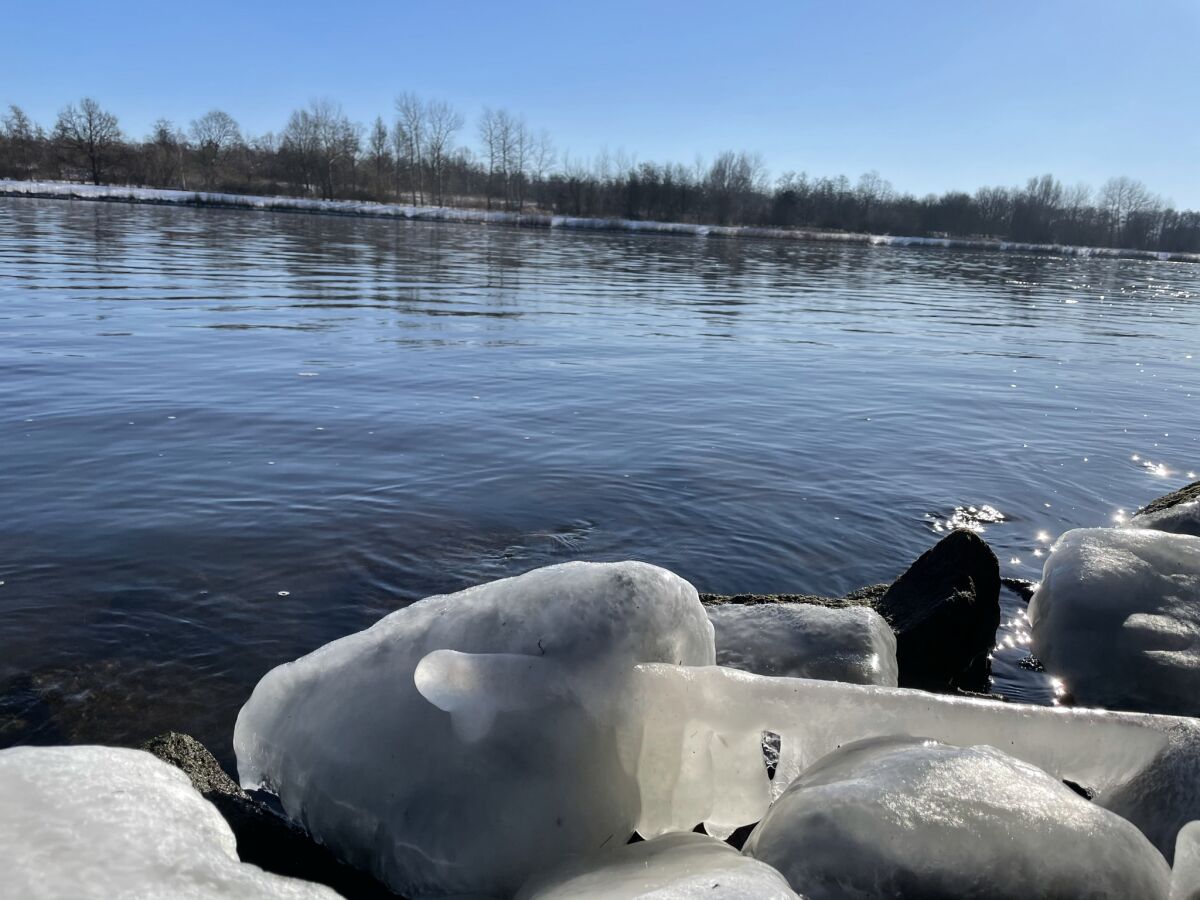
66 191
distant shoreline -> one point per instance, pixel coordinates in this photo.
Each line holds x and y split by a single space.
56 190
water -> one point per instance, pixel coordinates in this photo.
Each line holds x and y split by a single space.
229 437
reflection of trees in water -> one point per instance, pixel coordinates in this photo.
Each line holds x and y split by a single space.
418 270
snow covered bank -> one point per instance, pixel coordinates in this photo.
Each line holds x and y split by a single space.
65 191
102 822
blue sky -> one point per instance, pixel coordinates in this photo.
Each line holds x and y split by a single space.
934 95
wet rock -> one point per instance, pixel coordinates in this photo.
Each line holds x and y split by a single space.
263 838
1177 512
1022 587
944 611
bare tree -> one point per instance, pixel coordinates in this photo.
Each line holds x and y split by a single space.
214 135
442 123
89 131
410 138
298 147
489 136
164 149
542 157
379 151
336 142
21 138
1121 198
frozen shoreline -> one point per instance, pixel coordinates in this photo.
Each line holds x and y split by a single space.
55 190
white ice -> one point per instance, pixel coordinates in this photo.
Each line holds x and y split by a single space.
1185 876
1182 518
107 823
440 782
1117 618
697 732
916 818
806 641
680 866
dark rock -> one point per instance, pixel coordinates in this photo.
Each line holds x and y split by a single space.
190 756
263 838
1085 792
1186 494
1022 587
945 611
1186 522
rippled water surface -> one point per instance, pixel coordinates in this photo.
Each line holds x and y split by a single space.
229 437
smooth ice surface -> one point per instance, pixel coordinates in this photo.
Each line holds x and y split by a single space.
1182 518
1185 876
680 866
917 819
1117 618
806 641
698 735
495 757
102 822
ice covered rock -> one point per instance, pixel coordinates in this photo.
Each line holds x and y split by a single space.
1185 876
101 822
943 611
1178 512
680 866
697 733
852 644
263 838
916 818
1117 617
499 754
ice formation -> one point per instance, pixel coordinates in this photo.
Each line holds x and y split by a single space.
1182 518
916 818
806 641
1185 876
697 734
103 822
495 756
680 866
1117 617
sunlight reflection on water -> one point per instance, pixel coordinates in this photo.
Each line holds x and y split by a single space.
368 412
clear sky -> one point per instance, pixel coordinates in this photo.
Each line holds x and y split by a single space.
934 95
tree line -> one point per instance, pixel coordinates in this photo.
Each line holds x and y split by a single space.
424 153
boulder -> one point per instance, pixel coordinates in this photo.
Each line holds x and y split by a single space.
263 837
800 640
915 818
103 822
679 866
1117 618
944 611
1177 512
470 739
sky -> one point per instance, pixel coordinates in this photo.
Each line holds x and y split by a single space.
933 95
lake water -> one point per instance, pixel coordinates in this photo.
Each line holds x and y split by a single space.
229 437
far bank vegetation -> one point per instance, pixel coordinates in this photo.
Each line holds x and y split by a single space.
425 152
